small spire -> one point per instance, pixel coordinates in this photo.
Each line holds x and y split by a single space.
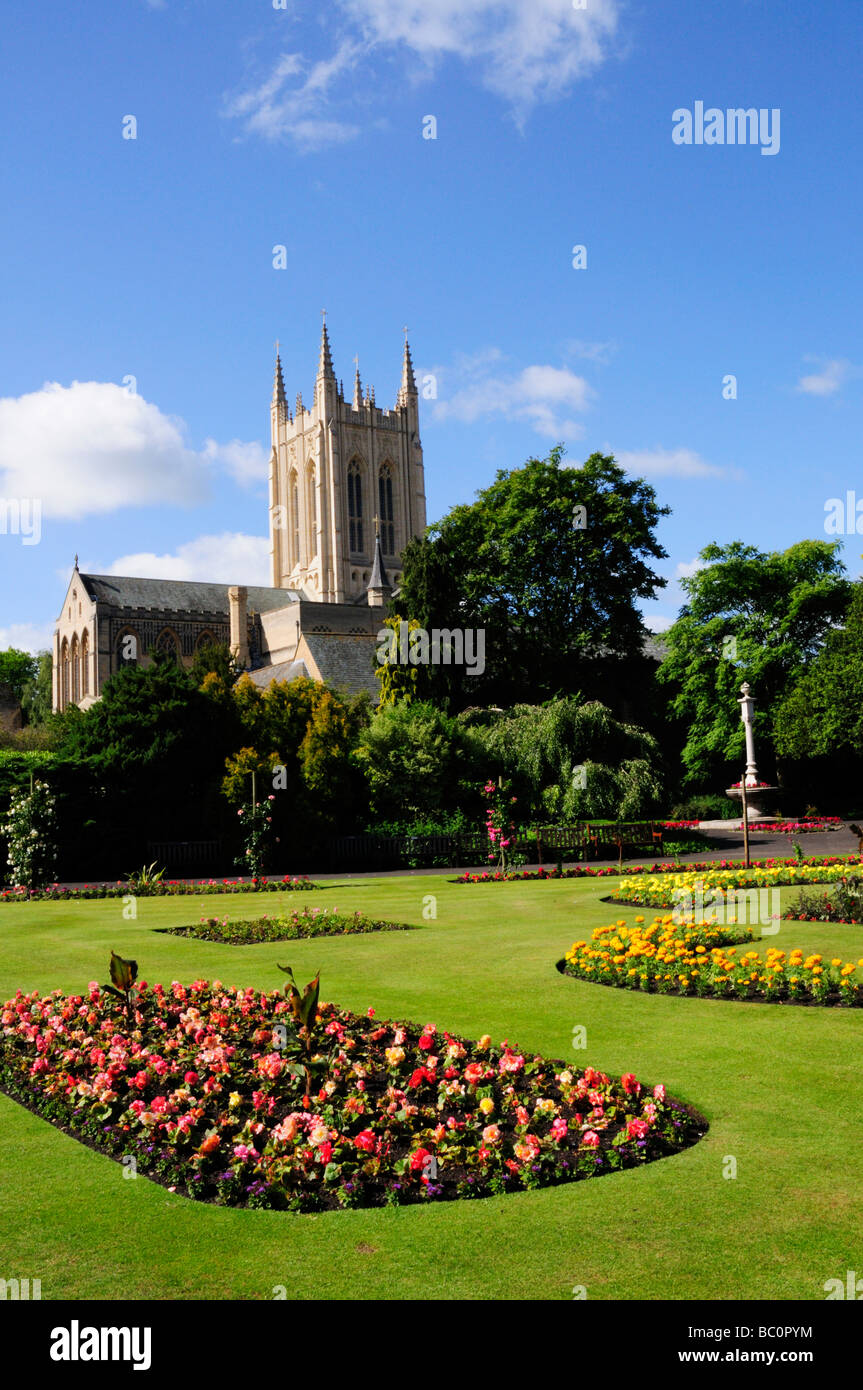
371 395
358 387
299 402
278 381
76 560
379 585
409 381
325 363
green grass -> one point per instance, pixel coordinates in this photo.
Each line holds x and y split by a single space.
779 1085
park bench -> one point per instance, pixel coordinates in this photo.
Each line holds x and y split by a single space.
590 841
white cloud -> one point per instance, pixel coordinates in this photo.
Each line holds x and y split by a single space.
231 558
27 637
828 380
668 463
685 569
293 102
93 447
539 395
524 52
591 352
656 623
248 463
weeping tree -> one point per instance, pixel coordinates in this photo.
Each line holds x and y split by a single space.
571 761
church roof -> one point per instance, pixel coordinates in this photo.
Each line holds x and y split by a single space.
279 671
344 662
179 594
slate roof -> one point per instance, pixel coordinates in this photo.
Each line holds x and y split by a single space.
281 671
345 662
173 595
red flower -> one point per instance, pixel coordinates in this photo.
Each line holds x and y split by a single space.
365 1140
426 1043
418 1160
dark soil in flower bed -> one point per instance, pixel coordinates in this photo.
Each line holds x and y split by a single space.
196 1091
294 926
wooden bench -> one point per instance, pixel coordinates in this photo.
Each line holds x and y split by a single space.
589 841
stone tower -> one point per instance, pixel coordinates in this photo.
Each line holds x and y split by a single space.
335 468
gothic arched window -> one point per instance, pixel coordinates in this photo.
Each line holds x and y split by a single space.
85 664
295 517
167 644
64 674
385 510
313 512
75 669
355 506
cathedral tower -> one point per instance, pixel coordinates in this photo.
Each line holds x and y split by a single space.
335 467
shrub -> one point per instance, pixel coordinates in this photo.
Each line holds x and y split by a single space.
31 837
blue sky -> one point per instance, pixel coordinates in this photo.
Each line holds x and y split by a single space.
303 126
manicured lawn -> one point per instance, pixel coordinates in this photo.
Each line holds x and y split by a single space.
779 1085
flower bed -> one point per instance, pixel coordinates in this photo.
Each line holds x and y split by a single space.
642 892
799 827
312 921
842 904
702 959
162 888
699 869
195 1090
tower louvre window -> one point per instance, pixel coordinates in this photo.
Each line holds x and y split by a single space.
385 510
355 507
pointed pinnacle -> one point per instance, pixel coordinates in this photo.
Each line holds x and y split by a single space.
409 381
325 363
278 381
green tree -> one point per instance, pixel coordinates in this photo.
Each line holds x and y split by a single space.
822 715
749 615
418 762
299 738
398 681
37 697
145 763
214 658
550 561
17 670
570 761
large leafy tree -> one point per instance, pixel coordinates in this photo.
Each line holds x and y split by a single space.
749 615
822 715
298 737
17 670
37 696
550 562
